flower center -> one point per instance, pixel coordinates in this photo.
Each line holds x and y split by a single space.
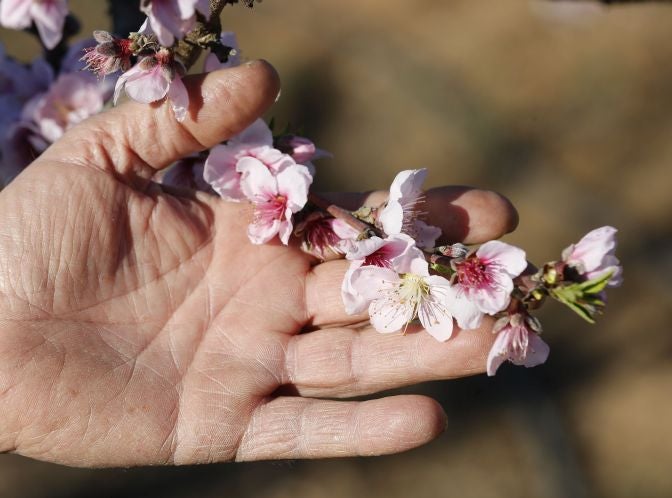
413 289
380 258
473 273
273 209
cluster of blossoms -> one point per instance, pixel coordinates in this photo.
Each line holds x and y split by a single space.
398 274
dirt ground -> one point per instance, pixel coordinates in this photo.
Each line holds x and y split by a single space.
570 117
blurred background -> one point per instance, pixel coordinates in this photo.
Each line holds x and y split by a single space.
566 112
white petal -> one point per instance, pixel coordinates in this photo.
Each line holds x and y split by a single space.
294 182
498 352
426 234
353 301
389 316
537 351
260 233
511 258
391 218
15 14
258 133
436 321
257 183
179 98
370 281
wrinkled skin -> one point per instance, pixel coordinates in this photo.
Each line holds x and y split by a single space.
139 326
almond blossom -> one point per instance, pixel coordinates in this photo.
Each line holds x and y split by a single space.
255 141
403 209
111 54
594 255
486 277
171 19
153 78
397 299
518 342
324 236
48 16
275 197
71 99
395 253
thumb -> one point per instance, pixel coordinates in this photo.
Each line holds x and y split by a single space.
135 140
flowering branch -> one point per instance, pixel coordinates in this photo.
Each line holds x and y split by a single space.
397 271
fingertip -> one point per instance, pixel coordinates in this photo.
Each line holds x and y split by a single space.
469 215
403 423
225 102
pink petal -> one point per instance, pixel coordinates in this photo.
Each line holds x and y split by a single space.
466 313
257 182
391 218
537 351
145 86
434 313
498 352
179 98
512 259
203 6
408 184
260 233
368 281
285 228
592 248
49 19
364 248
15 14
353 301
294 182
426 234
343 230
255 135
220 172
387 318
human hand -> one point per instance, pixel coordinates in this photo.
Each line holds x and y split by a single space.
139 325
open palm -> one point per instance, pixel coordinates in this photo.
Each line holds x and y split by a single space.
139 326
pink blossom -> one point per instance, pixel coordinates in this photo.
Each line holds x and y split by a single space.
486 277
48 16
519 343
109 55
395 252
403 210
170 19
153 78
255 141
594 255
70 100
397 299
275 197
300 148
324 236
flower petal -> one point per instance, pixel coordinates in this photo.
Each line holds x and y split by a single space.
389 316
511 258
294 182
391 218
15 14
179 98
145 86
537 351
